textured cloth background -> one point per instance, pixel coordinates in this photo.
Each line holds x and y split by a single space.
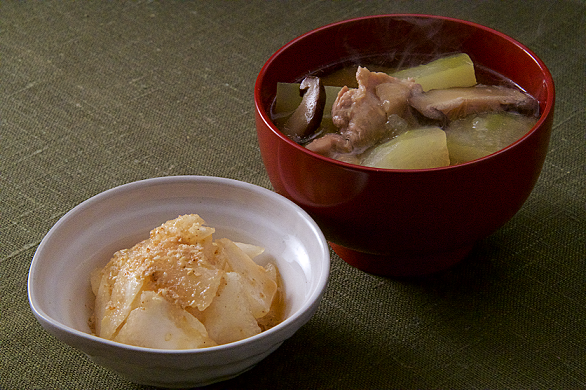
98 94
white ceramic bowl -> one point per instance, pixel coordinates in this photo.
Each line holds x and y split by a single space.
59 278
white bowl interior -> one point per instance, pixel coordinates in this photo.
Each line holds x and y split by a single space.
85 238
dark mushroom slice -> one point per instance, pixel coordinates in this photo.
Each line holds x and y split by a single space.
306 119
454 103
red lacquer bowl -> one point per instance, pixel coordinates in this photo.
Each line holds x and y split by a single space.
405 222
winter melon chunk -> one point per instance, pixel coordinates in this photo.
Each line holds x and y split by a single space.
415 149
479 135
447 72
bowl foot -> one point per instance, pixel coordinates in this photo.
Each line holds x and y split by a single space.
399 266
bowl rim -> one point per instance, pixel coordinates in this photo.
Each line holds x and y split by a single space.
308 308
543 116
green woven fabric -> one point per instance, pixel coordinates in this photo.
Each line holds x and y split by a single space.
97 94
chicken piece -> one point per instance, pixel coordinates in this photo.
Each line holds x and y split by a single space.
394 95
454 103
330 144
360 114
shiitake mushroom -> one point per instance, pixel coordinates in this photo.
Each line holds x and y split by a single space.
306 119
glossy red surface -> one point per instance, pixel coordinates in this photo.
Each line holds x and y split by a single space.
405 222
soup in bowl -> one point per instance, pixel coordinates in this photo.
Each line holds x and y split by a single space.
402 222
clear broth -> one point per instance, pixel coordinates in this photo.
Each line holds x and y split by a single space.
344 74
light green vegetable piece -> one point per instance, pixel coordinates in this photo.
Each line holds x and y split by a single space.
415 149
477 136
448 72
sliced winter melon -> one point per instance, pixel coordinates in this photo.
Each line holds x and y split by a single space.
415 149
